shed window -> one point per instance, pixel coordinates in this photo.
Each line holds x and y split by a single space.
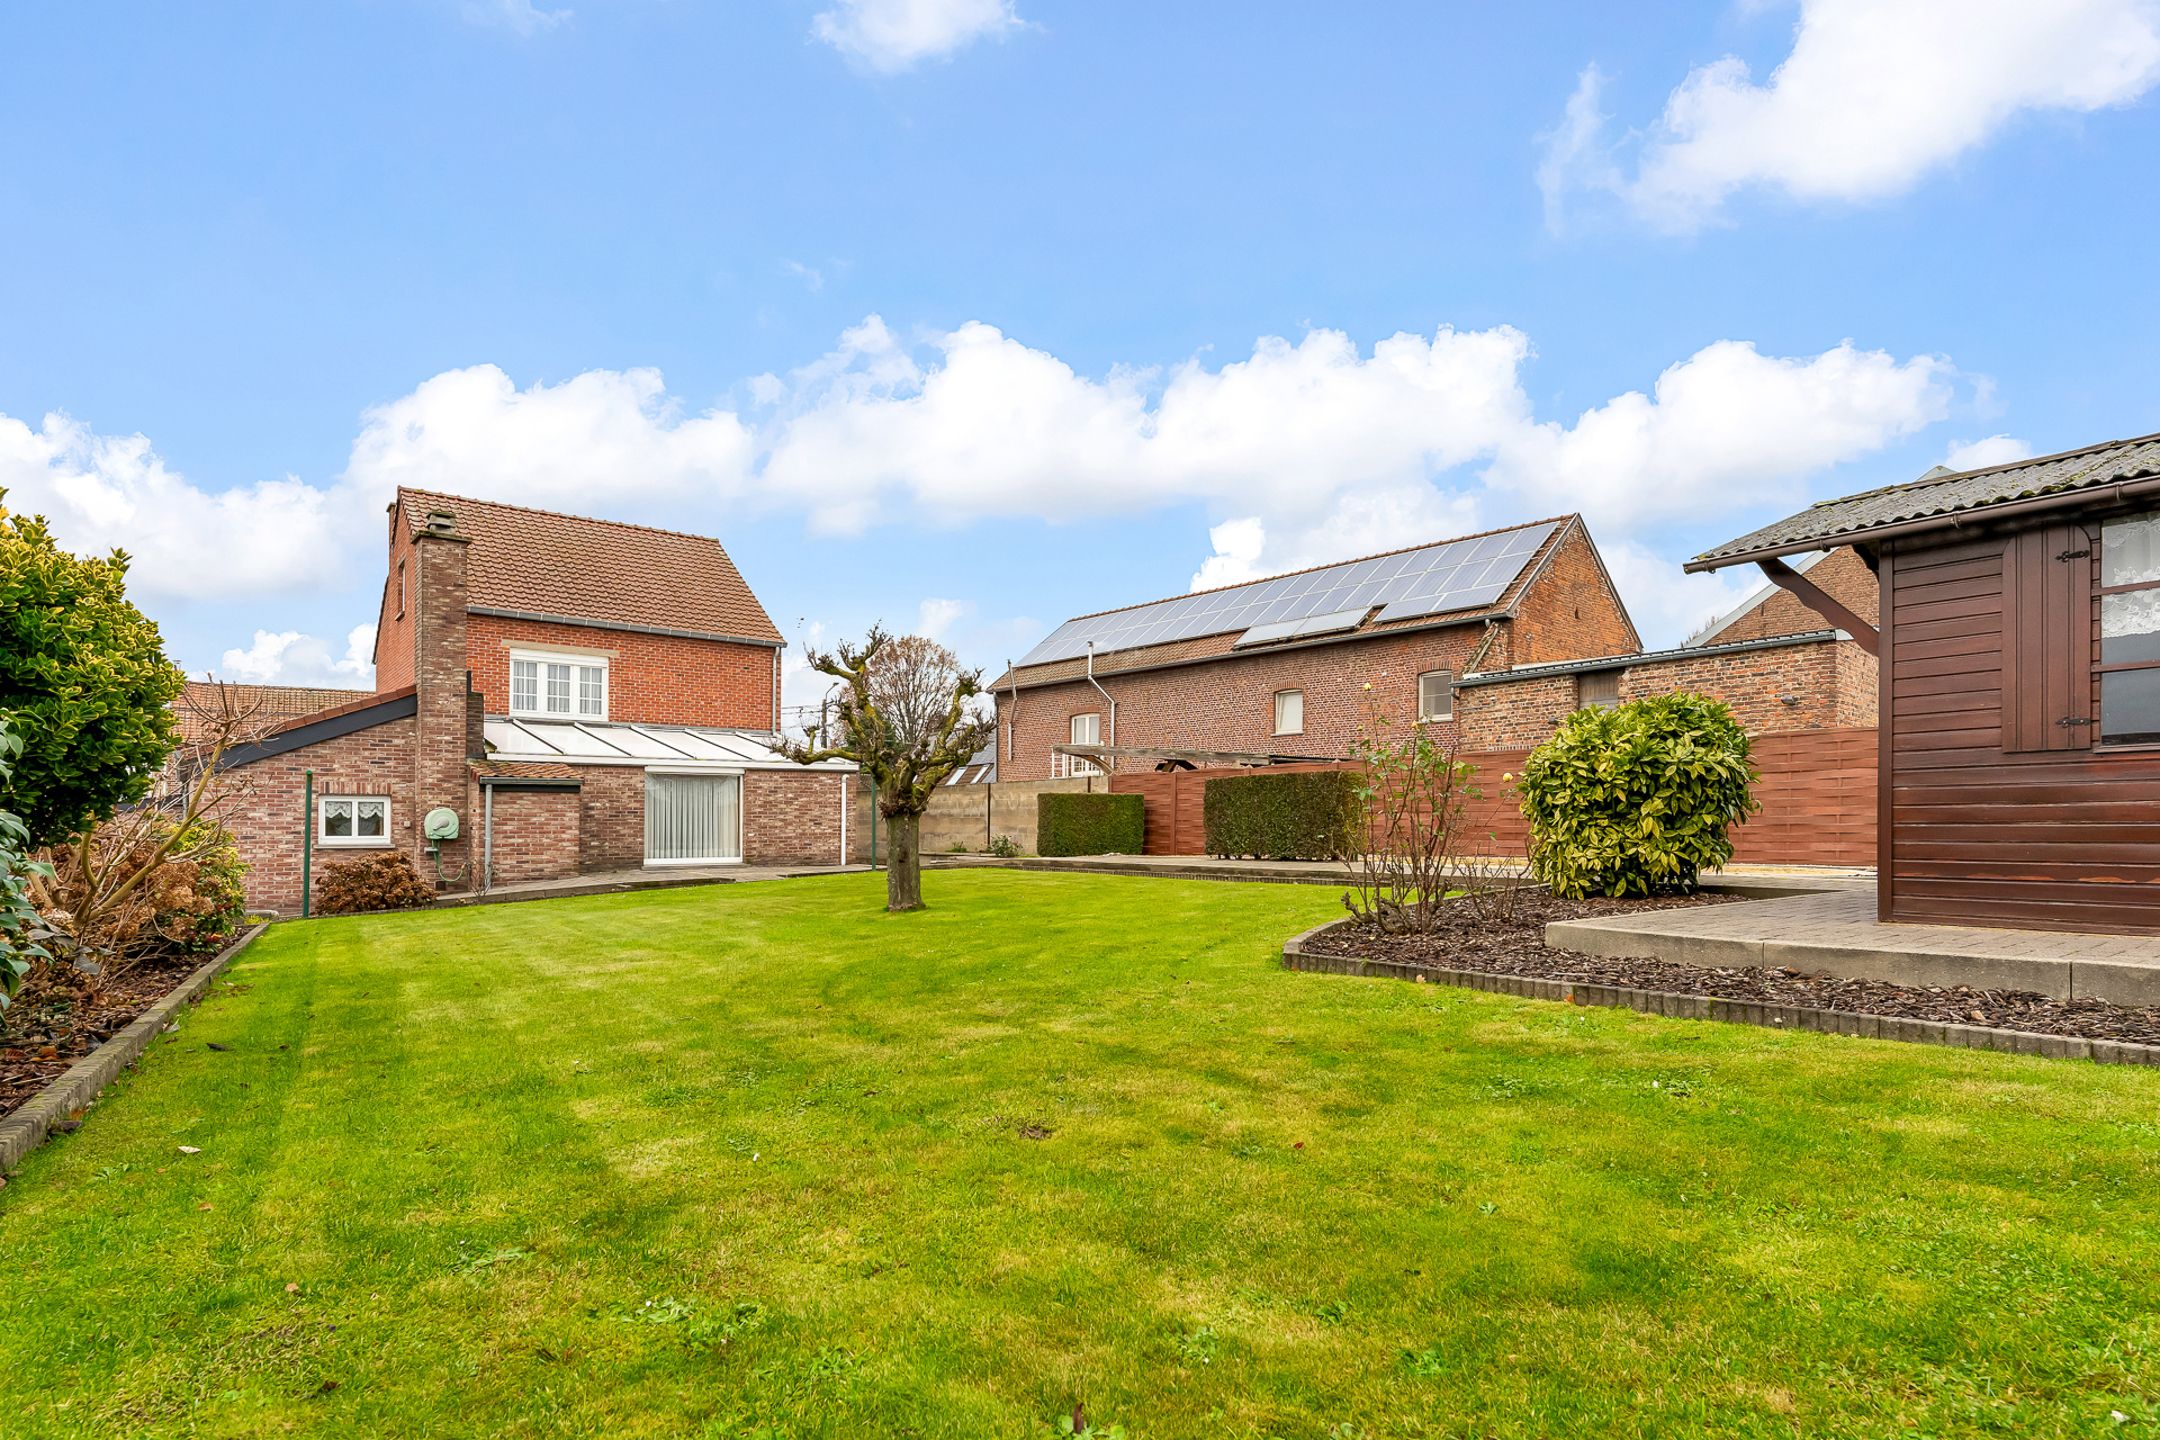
1598 687
353 820
2129 665
1289 712
1436 695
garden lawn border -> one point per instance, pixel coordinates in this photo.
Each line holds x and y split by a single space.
1679 1006
79 1086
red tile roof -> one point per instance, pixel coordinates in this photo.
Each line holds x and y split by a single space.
537 562
523 769
260 707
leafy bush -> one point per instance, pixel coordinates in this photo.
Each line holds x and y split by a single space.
1004 847
1637 799
21 928
1089 824
387 880
84 676
1303 815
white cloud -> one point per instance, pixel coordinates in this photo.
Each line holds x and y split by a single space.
935 618
895 35
1303 451
474 432
1993 450
1874 95
520 17
812 279
290 658
1666 603
107 491
1727 427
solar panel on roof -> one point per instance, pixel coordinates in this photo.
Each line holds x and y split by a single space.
1432 580
1299 629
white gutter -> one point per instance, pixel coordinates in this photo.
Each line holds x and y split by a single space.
1106 695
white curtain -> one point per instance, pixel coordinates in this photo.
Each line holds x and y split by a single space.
693 817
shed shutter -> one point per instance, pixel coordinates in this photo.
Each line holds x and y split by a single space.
2047 640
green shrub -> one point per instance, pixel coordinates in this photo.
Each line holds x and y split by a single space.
387 880
1089 824
84 678
1303 815
1004 847
1637 799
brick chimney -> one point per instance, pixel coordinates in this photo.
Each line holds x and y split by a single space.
442 731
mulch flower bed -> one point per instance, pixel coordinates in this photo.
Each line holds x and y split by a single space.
41 1035
1516 946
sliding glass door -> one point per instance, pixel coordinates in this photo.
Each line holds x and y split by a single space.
692 818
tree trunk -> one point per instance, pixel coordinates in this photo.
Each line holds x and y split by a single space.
903 863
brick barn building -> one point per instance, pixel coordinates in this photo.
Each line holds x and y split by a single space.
1292 665
581 695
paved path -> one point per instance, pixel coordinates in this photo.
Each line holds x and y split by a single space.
1836 933
615 881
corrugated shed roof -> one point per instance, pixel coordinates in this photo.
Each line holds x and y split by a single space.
1953 493
542 563
264 707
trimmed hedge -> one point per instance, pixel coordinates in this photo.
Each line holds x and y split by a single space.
1085 824
1304 815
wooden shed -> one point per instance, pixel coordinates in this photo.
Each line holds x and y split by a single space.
2019 650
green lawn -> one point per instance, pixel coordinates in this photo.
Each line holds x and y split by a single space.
761 1160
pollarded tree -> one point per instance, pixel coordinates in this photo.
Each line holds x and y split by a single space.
905 718
83 679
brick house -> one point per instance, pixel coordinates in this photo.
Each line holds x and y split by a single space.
580 695
1291 666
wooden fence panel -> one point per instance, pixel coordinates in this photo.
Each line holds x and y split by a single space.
1817 790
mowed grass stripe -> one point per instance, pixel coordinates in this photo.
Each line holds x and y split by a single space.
762 1159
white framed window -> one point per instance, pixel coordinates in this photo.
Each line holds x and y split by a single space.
1083 730
1436 695
1289 712
562 687
352 820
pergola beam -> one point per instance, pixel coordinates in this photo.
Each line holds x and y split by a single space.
1808 593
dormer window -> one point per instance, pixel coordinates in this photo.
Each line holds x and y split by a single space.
558 687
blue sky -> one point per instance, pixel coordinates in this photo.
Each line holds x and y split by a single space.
974 314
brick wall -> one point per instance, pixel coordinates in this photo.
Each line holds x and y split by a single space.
1228 704
394 624
265 806
658 679
1842 574
793 818
1817 685
1569 611
611 817
536 834
442 729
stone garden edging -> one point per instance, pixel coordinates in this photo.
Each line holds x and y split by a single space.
79 1087
1739 1012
